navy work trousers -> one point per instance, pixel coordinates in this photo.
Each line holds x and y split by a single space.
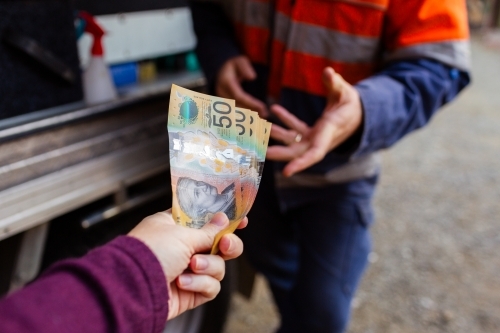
313 255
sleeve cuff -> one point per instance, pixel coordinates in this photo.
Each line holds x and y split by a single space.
377 94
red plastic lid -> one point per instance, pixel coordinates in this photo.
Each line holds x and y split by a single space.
93 28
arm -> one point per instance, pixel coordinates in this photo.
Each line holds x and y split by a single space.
426 53
119 287
402 98
129 285
370 116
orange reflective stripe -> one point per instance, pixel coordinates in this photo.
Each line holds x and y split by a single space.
422 21
310 80
254 42
341 16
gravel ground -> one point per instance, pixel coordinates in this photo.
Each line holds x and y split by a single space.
435 265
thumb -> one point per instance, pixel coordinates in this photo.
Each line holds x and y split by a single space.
207 234
334 83
245 69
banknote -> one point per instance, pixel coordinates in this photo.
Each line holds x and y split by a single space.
203 163
262 130
248 161
217 154
261 144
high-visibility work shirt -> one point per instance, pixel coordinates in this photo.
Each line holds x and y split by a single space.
355 37
406 58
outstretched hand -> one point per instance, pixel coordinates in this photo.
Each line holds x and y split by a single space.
306 146
193 278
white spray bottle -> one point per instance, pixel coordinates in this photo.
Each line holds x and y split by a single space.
98 87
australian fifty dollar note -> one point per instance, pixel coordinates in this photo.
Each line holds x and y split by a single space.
216 157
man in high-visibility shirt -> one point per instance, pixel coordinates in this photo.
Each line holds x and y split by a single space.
345 78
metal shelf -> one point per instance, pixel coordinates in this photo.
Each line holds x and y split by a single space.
43 119
38 201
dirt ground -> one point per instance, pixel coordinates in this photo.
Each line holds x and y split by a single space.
435 265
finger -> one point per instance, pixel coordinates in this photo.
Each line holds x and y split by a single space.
225 83
281 153
207 264
334 83
263 112
289 119
244 69
328 78
230 247
205 285
246 100
326 135
321 143
203 239
243 224
282 135
222 91
287 153
309 158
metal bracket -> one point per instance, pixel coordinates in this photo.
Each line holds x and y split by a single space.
30 256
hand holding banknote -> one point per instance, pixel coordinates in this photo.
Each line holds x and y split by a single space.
217 154
179 249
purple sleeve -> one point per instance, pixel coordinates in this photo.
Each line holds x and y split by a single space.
119 287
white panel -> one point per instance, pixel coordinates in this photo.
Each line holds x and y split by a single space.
141 35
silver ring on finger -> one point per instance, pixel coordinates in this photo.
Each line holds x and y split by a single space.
298 138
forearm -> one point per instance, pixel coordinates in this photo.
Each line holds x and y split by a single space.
119 287
216 39
402 98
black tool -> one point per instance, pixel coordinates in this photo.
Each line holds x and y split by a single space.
32 48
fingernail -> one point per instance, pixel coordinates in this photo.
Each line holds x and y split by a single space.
185 280
230 245
201 263
219 219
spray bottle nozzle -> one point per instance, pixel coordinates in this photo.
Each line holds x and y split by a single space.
93 28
